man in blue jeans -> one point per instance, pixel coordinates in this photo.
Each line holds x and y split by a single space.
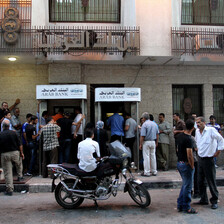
32 144
185 166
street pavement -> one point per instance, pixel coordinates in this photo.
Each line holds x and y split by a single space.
42 208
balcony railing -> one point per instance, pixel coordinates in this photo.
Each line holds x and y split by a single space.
74 40
197 41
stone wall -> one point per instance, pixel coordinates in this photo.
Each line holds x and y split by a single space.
19 81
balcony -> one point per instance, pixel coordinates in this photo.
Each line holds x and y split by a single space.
192 41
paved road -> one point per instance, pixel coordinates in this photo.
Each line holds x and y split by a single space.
42 208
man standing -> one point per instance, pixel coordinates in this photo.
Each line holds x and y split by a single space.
25 144
32 144
16 123
11 151
77 132
148 142
130 130
65 139
116 122
179 126
162 152
213 123
50 144
208 140
5 107
87 150
185 166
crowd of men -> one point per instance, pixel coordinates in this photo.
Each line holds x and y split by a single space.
60 139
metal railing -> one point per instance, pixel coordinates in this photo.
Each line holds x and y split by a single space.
71 40
197 41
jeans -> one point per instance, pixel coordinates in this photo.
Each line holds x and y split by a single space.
184 199
65 148
32 146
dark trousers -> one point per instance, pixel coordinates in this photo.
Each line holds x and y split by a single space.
207 172
116 137
26 161
74 150
49 157
130 143
196 188
32 146
65 148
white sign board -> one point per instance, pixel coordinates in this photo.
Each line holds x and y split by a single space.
117 94
61 92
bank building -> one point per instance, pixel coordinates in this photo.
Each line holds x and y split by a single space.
160 56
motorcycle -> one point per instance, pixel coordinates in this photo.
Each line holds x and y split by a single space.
76 185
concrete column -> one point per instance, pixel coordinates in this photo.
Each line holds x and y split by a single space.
207 101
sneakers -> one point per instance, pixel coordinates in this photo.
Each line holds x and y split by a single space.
28 174
8 193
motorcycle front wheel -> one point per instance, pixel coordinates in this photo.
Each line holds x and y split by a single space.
65 198
139 194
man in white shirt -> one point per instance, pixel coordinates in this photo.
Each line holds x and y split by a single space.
208 140
77 131
87 150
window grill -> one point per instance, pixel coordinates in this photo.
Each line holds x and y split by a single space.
98 11
202 12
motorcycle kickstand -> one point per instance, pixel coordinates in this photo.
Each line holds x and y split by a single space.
96 204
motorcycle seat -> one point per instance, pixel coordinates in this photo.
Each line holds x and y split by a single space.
75 170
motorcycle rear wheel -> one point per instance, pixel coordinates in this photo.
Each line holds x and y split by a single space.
65 198
139 194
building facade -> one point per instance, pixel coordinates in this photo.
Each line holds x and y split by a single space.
171 49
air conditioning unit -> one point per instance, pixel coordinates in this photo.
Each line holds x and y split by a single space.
207 42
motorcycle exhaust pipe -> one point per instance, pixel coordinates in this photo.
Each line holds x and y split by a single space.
77 191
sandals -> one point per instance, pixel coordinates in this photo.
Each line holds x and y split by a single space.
191 211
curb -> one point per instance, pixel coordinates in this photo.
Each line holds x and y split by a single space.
44 188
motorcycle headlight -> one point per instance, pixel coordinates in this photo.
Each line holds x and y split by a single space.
125 162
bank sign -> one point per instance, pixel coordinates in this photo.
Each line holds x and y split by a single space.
61 92
117 94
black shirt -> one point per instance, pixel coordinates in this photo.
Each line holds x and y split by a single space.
30 130
9 141
184 141
66 126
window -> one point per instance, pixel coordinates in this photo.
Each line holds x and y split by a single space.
187 100
85 11
202 12
218 103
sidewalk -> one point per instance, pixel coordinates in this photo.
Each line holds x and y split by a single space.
168 179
